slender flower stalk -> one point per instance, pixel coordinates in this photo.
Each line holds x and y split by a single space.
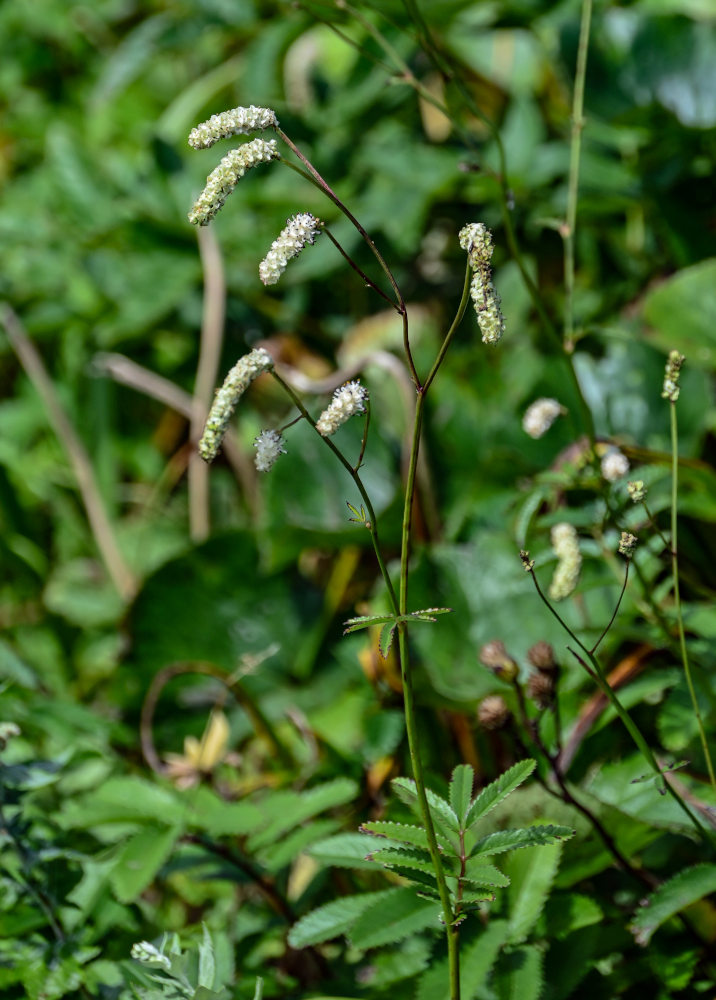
224 178
670 391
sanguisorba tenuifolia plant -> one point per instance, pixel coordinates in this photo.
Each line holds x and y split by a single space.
444 856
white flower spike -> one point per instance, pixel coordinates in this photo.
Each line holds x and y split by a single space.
476 239
348 400
540 415
566 546
299 231
614 465
237 121
246 369
224 178
269 445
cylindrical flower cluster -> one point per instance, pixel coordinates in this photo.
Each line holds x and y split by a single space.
671 387
246 369
566 547
224 178
636 490
348 400
299 231
614 465
627 544
476 239
540 415
269 445
237 121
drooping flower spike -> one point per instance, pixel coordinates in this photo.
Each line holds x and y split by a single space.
569 561
351 398
246 369
224 178
477 240
237 121
299 231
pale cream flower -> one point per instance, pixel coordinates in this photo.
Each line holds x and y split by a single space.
237 121
299 231
348 400
246 369
224 178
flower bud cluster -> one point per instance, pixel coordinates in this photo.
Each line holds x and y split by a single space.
627 544
237 121
636 490
149 954
348 400
224 178
614 465
299 231
246 369
492 712
541 684
269 445
671 387
476 239
569 564
540 415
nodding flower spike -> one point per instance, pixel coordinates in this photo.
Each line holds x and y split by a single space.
569 564
224 178
299 231
476 239
348 400
237 121
246 369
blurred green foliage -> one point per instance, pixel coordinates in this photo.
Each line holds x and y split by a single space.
96 180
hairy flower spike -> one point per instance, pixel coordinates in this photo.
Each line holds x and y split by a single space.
246 369
299 231
671 376
540 415
569 564
269 445
636 490
614 465
627 544
476 239
224 178
237 121
349 399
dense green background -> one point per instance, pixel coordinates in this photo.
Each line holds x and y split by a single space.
97 256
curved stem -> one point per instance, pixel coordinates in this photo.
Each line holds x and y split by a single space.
616 609
677 596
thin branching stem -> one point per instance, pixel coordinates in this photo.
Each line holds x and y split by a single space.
616 609
677 595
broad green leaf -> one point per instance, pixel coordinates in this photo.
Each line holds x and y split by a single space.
532 873
283 852
288 810
476 961
408 857
208 811
335 918
461 790
414 835
519 974
512 840
124 800
345 850
498 790
682 312
671 898
140 859
392 919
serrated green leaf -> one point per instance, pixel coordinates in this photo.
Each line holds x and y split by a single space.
365 621
461 784
345 850
139 860
386 638
425 880
405 832
671 898
393 919
513 840
481 874
428 614
334 919
497 791
471 897
532 873
408 857
441 810
519 974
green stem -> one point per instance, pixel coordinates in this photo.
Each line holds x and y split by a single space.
355 476
677 597
573 184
